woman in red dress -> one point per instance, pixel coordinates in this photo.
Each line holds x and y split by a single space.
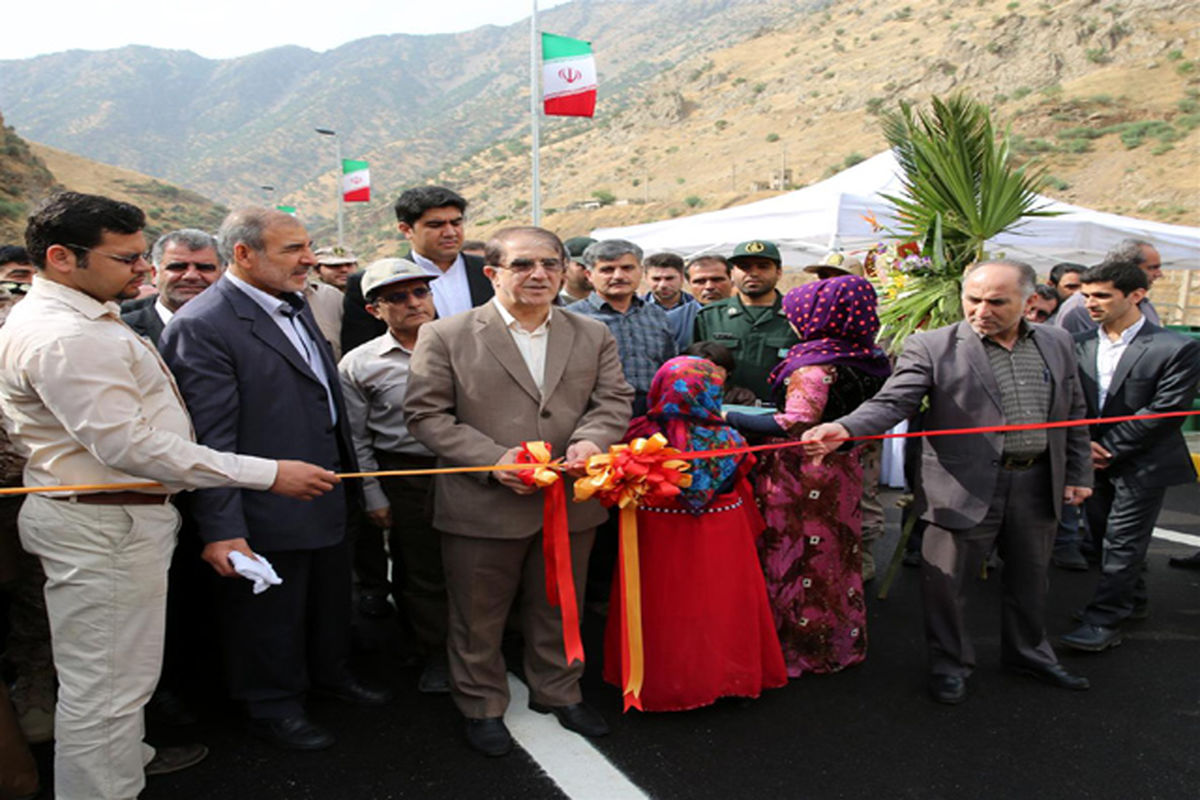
706 622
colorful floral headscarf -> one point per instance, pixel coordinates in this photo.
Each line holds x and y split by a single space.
685 405
837 320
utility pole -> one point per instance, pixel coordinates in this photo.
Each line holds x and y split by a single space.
337 177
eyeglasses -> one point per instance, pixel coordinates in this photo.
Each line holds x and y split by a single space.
128 260
182 266
402 295
524 266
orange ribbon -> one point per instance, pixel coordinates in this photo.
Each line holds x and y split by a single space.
626 476
556 542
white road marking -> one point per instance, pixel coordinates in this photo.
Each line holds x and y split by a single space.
1176 536
568 758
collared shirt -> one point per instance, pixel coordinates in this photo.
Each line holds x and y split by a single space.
451 291
1024 381
644 339
681 317
286 317
758 336
163 312
374 379
531 344
1072 315
92 402
1108 355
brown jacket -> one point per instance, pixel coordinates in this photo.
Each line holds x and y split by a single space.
470 398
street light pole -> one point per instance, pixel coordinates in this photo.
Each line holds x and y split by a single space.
337 177
267 192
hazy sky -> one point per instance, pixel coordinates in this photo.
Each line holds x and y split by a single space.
224 28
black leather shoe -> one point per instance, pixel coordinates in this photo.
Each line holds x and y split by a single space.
578 717
293 733
1092 638
435 678
1186 562
172 759
356 693
1070 558
948 689
489 736
1053 674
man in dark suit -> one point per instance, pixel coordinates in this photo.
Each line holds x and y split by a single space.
993 368
257 375
431 219
1129 366
183 264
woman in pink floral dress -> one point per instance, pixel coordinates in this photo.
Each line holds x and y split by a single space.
811 548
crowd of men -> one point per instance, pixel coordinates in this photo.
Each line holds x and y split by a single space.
260 369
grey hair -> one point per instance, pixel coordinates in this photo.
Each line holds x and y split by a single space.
246 226
610 250
1129 250
191 238
1026 275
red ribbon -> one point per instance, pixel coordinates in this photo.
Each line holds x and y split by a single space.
556 544
1031 426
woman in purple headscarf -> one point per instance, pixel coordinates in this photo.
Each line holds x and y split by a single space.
811 549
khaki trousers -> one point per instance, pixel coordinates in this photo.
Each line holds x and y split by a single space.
106 590
483 578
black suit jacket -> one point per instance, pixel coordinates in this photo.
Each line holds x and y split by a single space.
249 391
145 320
1158 372
358 326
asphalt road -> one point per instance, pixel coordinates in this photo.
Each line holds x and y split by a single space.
868 732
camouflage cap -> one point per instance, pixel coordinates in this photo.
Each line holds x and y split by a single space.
756 248
335 256
387 271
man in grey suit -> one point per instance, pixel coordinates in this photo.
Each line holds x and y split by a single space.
993 368
1129 366
482 382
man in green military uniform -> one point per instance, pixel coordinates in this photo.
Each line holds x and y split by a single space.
751 323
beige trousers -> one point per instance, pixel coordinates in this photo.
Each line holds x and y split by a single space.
106 590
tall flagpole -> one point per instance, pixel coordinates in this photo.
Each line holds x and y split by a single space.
534 67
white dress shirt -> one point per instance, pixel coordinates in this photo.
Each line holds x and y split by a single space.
93 402
451 292
1108 355
296 331
163 312
531 344
374 381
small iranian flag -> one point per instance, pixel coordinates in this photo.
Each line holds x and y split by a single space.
356 181
287 209
568 77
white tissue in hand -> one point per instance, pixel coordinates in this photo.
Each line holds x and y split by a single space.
260 571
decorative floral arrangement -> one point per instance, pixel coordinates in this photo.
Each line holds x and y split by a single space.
959 191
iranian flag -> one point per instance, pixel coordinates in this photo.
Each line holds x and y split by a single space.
287 209
356 181
568 77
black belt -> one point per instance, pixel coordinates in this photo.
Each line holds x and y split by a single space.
1008 462
117 499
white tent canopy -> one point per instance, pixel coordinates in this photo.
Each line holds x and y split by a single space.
809 222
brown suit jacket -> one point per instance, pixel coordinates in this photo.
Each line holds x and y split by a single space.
958 473
470 398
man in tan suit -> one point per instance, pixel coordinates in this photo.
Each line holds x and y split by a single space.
482 382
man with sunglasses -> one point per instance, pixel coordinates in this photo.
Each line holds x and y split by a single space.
183 264
374 379
482 382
